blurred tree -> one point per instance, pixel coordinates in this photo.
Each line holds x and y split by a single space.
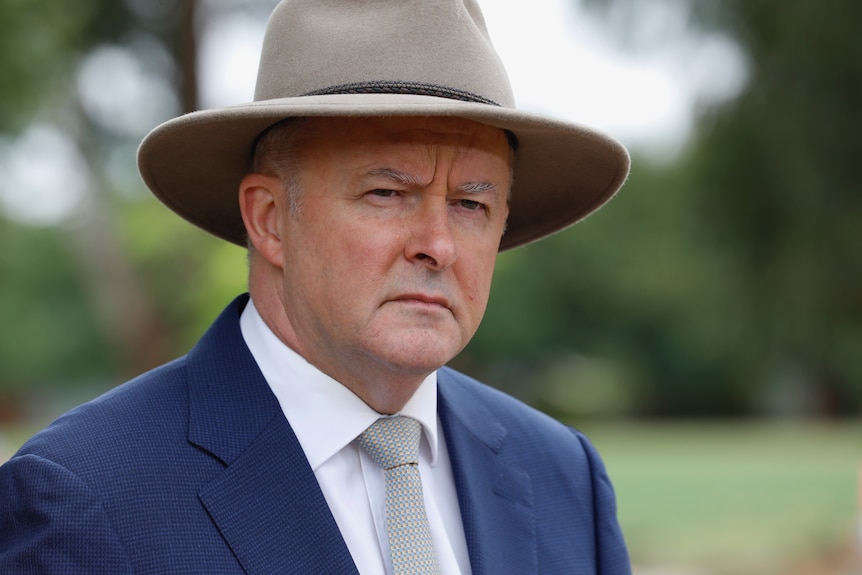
778 184
44 294
89 298
728 282
39 44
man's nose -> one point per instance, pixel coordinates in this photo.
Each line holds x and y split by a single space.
432 239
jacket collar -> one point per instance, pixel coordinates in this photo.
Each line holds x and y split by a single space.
496 497
267 503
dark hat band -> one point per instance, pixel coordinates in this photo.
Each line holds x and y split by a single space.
399 87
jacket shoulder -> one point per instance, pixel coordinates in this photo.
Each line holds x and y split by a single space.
469 396
572 493
141 407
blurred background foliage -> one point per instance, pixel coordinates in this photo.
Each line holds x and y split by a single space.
728 282
725 282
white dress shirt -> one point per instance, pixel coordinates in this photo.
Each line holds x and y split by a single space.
327 417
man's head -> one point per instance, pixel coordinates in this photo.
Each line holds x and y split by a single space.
376 215
376 264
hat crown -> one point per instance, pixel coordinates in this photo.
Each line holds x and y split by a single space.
429 47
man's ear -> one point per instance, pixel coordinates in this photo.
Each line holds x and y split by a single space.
260 201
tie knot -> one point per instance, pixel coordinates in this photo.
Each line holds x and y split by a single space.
392 441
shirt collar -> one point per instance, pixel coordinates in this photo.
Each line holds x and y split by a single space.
325 415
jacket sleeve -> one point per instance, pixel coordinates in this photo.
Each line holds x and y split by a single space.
51 522
611 554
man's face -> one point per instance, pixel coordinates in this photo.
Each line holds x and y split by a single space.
387 263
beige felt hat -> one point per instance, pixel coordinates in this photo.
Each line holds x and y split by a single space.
381 58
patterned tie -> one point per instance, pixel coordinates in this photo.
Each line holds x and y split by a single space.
393 443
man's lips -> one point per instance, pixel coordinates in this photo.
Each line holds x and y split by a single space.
419 298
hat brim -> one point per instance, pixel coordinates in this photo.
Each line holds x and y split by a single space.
563 171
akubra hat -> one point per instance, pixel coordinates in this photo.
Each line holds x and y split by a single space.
381 58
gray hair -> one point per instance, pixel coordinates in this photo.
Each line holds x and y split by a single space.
276 153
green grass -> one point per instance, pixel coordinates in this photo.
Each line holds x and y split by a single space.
736 498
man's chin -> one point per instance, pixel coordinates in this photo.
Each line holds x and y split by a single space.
419 357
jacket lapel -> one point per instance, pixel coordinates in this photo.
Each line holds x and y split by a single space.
496 498
267 503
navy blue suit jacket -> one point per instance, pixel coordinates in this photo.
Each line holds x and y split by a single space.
193 468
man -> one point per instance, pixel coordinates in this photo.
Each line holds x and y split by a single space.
388 168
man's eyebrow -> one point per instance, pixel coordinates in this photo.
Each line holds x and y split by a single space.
477 187
398 176
406 179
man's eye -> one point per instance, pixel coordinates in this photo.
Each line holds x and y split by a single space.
383 193
470 204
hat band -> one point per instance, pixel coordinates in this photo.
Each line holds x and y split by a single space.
398 87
